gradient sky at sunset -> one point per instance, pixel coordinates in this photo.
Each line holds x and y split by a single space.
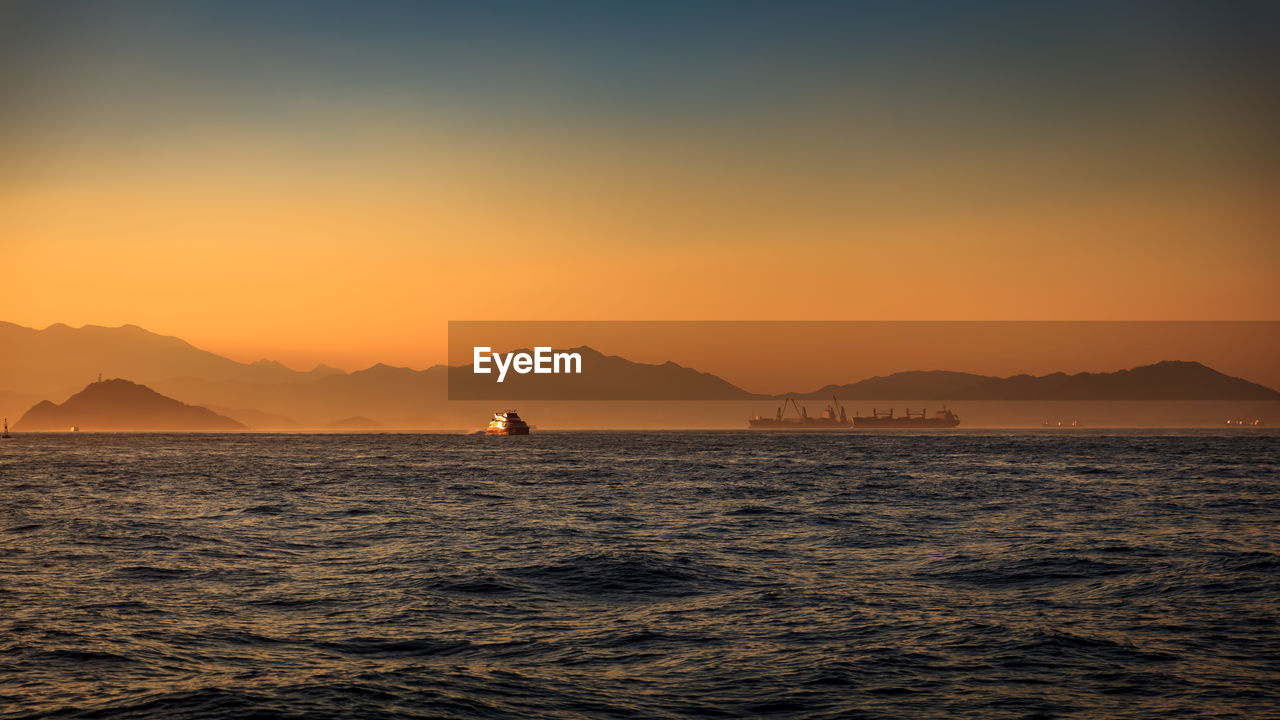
333 182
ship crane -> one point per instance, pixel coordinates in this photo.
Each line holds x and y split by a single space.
833 417
800 412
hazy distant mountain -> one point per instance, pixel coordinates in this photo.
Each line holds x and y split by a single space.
60 355
604 377
58 361
122 405
940 384
255 419
1168 380
403 397
393 396
355 422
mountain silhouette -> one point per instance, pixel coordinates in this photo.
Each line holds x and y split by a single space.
604 377
59 352
56 362
942 384
394 396
1167 380
122 405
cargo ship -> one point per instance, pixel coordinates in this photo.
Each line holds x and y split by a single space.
507 423
833 417
943 418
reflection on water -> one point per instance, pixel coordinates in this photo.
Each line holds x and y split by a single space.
645 575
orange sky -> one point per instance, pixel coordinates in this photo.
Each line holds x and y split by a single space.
335 206
314 271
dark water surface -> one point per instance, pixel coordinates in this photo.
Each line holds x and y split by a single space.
664 575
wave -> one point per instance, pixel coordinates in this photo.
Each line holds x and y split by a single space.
626 574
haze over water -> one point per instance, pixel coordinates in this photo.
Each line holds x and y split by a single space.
709 574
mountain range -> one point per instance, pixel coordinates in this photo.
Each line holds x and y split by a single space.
1166 380
610 378
54 363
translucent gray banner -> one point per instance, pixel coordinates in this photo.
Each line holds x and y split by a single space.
936 361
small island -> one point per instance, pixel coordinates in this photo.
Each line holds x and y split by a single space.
120 405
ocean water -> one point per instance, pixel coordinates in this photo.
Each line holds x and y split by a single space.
641 575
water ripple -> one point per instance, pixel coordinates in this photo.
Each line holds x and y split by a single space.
647 575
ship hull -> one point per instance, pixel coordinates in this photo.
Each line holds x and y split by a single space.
904 423
508 431
807 424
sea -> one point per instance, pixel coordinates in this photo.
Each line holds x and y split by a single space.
956 574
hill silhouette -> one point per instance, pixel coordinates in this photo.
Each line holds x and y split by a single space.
122 405
1167 380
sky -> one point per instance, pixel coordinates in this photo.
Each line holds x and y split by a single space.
333 182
